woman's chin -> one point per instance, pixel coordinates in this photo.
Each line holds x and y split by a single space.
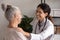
38 18
19 22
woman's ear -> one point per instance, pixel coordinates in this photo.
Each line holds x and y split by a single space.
15 16
46 14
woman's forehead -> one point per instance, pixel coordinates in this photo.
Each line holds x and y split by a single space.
39 9
18 13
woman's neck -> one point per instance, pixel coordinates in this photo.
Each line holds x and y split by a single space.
12 25
42 20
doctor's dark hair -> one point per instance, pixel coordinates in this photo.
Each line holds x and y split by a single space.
46 9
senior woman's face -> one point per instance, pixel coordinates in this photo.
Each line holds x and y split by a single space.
17 17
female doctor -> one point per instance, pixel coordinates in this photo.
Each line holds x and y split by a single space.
43 27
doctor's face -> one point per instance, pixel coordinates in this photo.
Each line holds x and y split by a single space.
40 14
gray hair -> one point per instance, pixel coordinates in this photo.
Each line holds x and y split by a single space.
9 11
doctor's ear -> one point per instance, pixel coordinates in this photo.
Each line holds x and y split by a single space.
46 14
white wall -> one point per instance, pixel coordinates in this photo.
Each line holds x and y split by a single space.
54 4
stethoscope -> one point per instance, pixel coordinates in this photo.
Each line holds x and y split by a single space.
39 26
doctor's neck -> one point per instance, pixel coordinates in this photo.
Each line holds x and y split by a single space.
41 20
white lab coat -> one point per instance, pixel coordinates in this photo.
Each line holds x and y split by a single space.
49 30
12 34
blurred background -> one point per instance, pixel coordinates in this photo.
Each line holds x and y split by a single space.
28 8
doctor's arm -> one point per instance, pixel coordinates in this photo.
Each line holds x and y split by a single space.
43 35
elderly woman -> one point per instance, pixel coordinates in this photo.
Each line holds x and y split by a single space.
13 15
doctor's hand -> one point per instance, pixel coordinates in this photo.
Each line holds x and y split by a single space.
23 32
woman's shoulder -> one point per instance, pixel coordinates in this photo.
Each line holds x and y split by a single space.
49 22
11 30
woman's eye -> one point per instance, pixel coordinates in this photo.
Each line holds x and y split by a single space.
38 12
